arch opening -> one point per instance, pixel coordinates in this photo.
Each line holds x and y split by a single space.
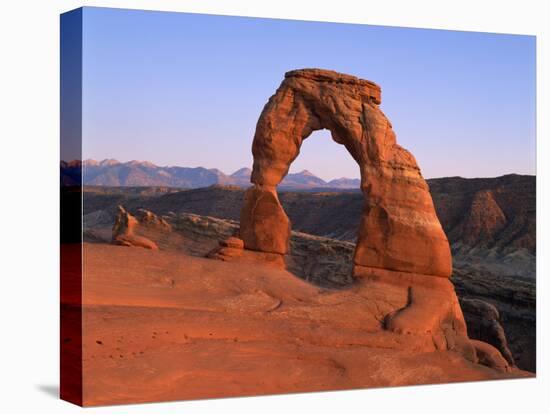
322 155
322 199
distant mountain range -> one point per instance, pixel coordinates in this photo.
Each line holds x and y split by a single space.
113 173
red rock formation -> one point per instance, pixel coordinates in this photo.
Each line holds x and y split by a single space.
124 230
264 224
401 244
228 249
399 229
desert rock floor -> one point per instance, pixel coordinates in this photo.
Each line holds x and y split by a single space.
163 325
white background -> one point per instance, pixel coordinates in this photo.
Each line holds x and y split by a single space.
29 166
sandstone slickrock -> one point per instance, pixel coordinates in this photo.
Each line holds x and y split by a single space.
218 329
431 307
399 229
358 312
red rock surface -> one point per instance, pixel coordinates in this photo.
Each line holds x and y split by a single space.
163 325
399 229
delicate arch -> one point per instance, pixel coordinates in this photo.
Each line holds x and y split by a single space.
399 229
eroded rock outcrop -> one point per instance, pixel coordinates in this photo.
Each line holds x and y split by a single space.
484 324
482 222
399 229
152 221
228 249
126 225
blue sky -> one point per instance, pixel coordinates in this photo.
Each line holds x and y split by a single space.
187 89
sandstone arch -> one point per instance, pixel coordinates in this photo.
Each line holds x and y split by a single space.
399 229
